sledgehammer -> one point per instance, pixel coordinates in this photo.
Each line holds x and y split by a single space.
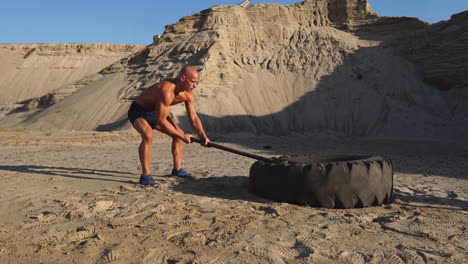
239 152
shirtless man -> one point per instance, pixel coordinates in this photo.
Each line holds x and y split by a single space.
151 111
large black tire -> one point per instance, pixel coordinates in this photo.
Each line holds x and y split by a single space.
330 181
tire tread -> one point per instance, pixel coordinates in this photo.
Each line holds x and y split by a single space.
359 181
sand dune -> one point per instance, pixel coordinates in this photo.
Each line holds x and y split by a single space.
34 70
304 68
35 76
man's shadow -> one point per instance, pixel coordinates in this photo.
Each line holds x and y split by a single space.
450 202
77 173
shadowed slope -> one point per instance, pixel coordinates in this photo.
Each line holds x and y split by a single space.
275 69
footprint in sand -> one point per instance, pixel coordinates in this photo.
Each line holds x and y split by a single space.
194 239
155 256
392 258
109 256
410 256
282 251
100 206
354 257
83 233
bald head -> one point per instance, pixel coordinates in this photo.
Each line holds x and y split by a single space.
189 71
188 79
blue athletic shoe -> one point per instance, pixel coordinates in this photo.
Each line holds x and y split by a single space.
147 180
180 173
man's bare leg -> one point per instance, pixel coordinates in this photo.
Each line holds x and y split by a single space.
177 147
144 150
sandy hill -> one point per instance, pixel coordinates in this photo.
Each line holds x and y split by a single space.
52 71
316 66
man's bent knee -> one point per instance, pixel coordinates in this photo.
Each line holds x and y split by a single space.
145 130
147 136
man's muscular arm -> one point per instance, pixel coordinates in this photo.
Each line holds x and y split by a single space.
163 110
195 120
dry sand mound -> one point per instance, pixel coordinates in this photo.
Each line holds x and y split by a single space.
34 70
39 75
312 67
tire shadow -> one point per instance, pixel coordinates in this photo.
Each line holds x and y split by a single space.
237 188
224 187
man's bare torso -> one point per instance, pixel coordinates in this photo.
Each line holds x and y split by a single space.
153 96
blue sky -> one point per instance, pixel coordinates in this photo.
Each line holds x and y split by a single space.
136 21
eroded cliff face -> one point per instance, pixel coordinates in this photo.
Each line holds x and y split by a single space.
310 67
441 52
350 13
224 37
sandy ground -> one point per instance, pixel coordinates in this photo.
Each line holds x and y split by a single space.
73 198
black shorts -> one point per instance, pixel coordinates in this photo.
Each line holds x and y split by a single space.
136 111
